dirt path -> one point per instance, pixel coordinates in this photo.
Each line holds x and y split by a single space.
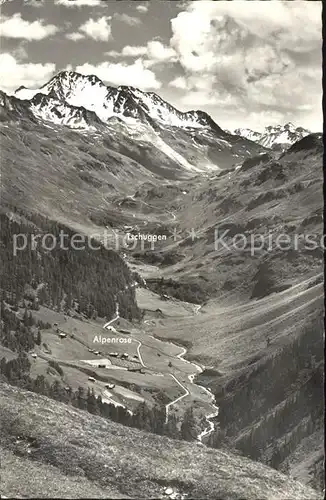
186 393
138 351
117 316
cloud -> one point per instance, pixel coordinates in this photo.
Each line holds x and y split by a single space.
272 64
158 53
130 20
133 51
99 29
202 82
198 98
30 3
75 36
128 51
122 74
113 53
143 8
16 27
80 3
20 52
179 83
15 74
34 3
154 53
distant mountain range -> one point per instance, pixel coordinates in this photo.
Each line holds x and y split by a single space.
84 102
275 137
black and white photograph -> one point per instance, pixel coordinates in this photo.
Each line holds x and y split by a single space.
161 249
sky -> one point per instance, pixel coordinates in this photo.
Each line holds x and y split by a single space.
248 63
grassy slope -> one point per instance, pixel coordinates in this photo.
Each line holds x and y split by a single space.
77 363
45 480
57 173
227 337
78 454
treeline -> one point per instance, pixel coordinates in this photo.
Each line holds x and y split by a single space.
85 280
166 258
150 419
16 334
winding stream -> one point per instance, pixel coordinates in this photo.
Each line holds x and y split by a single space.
211 426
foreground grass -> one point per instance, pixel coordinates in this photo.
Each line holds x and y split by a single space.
22 477
72 454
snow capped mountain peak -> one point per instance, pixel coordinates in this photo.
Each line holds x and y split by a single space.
129 121
248 134
289 126
275 136
126 102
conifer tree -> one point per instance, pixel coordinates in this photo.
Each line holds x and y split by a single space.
92 406
38 337
188 426
171 427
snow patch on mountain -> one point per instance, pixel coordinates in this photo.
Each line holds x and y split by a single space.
148 135
59 113
160 110
27 94
280 136
247 133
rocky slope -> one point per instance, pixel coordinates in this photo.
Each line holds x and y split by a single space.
270 195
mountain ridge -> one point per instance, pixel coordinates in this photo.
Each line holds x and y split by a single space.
275 137
70 90
137 124
90 92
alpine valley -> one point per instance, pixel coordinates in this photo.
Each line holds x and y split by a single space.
211 344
